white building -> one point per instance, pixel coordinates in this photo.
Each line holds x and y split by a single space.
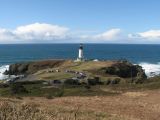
80 53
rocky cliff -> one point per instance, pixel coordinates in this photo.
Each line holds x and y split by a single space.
32 67
125 69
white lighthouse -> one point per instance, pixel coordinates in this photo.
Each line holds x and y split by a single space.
80 53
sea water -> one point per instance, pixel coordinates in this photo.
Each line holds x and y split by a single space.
148 56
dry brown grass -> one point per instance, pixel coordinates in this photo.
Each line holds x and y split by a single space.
135 94
126 106
42 109
132 105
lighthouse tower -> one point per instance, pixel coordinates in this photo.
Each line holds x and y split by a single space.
80 53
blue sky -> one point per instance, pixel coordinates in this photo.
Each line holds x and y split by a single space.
82 19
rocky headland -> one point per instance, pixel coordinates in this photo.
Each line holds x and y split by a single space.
104 69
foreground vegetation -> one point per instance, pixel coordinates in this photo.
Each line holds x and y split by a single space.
72 88
12 109
99 102
34 100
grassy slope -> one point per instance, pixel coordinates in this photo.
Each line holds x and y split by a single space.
80 90
87 67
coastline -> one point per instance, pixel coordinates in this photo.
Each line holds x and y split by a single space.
150 69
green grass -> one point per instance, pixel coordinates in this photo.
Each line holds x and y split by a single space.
40 90
56 76
148 85
5 91
88 65
82 91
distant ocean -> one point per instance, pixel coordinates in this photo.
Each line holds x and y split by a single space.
148 56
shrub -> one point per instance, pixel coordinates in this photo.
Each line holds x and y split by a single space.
49 96
87 87
17 88
139 80
59 93
71 82
94 81
107 82
3 85
115 81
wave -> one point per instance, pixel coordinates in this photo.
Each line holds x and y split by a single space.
150 69
2 70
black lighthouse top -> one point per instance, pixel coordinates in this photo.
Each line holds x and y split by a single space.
81 46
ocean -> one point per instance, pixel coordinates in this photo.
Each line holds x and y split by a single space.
148 56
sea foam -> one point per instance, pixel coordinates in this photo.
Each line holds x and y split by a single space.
2 70
151 70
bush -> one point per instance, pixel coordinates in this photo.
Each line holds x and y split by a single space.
59 93
94 81
3 85
17 88
138 80
115 81
49 96
107 82
87 87
71 82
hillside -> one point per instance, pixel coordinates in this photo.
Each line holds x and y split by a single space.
139 105
90 90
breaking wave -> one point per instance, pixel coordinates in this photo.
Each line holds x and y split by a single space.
151 70
2 70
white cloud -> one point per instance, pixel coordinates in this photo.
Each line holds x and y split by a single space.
109 35
34 33
6 34
150 35
48 33
112 34
41 31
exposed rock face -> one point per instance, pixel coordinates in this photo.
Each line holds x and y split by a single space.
125 69
32 67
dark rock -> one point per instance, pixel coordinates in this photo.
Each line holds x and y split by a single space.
125 70
22 68
32 67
